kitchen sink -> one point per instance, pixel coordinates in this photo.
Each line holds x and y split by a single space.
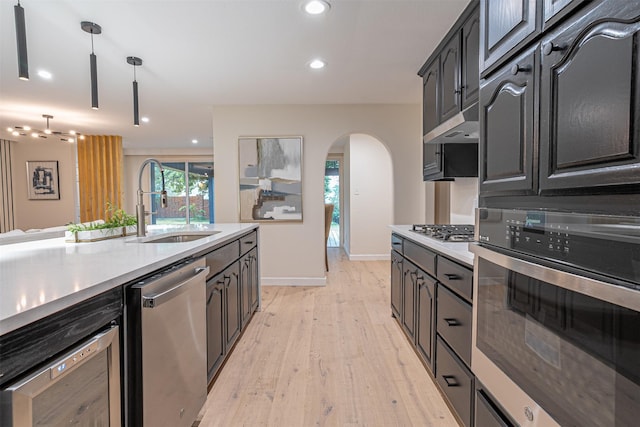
178 237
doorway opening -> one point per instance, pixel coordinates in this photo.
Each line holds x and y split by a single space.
332 195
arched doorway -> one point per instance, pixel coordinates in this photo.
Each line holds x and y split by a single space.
365 195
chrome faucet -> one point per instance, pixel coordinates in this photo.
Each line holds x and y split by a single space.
140 213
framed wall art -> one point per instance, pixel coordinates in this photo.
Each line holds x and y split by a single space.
42 180
270 178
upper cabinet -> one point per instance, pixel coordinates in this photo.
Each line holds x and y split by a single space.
590 102
559 118
450 78
507 25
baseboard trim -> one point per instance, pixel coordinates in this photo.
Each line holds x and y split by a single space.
370 257
293 281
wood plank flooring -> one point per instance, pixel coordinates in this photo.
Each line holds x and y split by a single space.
326 356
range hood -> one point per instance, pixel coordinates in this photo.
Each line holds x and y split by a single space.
463 128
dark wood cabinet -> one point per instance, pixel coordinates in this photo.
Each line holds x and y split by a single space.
589 103
216 341
411 275
470 66
507 124
425 312
456 381
233 288
396 284
504 24
232 292
450 79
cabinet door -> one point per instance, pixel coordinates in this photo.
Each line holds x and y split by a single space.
430 91
425 320
245 288
410 281
504 24
215 325
507 129
470 67
255 279
396 285
231 278
589 103
450 79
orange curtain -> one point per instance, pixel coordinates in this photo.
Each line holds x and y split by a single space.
99 175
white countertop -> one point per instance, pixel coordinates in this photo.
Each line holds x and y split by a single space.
458 251
41 277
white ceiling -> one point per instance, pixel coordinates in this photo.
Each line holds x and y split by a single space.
198 54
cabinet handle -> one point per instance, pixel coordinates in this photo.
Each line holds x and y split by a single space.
516 68
250 242
457 92
210 297
450 380
550 47
451 276
452 322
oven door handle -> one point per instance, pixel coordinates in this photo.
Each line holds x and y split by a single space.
614 294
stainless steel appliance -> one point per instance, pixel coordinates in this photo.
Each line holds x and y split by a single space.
556 335
445 232
81 387
166 367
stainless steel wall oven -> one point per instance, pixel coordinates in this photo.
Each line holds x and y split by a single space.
557 330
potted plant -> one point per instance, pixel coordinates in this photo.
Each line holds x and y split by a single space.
118 224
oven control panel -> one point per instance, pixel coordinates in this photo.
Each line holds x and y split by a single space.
603 244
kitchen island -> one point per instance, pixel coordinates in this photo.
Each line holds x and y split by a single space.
58 297
42 277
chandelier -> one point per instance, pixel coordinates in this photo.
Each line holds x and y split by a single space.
70 136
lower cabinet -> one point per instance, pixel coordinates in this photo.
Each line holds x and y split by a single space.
216 342
455 380
425 318
233 288
431 298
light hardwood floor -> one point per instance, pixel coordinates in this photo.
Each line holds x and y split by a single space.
326 356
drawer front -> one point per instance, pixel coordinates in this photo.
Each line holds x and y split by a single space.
396 243
457 278
455 380
454 323
422 257
219 258
248 242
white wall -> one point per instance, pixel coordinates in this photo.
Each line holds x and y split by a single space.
293 253
463 198
371 197
43 213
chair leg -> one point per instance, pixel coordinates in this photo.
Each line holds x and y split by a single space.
326 259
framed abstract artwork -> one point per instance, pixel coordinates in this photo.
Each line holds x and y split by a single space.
42 180
270 178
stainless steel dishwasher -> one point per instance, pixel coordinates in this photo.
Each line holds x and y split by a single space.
166 347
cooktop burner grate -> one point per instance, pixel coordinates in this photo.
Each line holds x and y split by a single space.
448 233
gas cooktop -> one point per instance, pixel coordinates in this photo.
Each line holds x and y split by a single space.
446 233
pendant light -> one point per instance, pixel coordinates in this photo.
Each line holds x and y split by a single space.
21 42
93 28
135 61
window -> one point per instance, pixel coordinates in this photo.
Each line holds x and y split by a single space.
189 188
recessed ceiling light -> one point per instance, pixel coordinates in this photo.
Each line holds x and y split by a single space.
45 74
194 141
316 7
145 119
316 64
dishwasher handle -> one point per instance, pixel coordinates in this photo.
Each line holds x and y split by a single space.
158 298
